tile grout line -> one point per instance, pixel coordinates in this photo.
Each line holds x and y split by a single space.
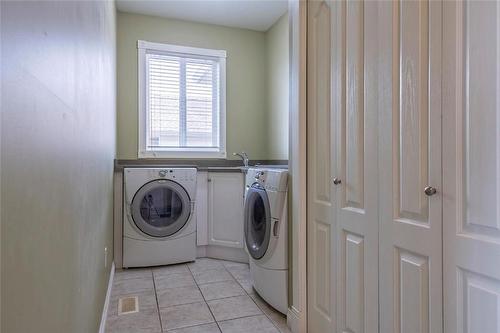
265 314
233 279
248 295
250 316
239 282
206 303
217 322
157 302
221 281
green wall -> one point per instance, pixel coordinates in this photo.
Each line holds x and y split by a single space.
277 45
246 108
58 145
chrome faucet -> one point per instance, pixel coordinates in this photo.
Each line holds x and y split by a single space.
243 156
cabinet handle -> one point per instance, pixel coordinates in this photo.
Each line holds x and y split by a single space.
336 181
209 180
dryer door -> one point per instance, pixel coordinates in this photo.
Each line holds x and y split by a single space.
257 221
161 208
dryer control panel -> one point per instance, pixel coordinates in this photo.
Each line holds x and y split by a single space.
135 178
179 174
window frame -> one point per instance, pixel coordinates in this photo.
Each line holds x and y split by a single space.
143 47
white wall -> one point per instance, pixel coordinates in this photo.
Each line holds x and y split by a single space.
246 108
57 149
278 78
257 80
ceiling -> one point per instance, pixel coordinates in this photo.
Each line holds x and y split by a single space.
257 15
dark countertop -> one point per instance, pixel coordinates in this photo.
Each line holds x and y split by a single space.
213 165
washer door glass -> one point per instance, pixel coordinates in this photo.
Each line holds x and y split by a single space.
257 221
161 208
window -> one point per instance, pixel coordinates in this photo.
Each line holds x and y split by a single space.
181 101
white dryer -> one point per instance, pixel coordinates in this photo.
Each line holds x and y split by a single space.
159 224
266 234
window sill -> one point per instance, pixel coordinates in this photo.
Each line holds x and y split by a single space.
181 154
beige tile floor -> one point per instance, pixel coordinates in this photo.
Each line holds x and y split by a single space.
206 296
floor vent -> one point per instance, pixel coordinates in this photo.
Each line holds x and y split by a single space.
128 305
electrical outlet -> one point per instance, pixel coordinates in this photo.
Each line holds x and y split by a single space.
105 257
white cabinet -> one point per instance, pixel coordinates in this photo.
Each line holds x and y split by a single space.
222 223
201 208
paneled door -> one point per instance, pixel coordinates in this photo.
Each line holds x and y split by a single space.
342 169
471 166
355 169
410 191
320 201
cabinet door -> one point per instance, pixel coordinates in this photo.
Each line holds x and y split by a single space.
410 260
471 166
225 209
202 208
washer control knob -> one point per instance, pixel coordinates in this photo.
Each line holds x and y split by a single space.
258 174
162 173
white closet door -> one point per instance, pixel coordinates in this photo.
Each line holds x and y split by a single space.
342 127
410 160
355 142
320 222
471 165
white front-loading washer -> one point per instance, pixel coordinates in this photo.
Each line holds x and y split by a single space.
159 223
266 234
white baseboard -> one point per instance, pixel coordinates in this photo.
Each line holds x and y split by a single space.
221 252
201 251
293 320
102 326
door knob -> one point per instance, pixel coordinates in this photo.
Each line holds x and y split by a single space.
336 181
429 190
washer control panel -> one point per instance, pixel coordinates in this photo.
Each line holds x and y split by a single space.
259 175
270 179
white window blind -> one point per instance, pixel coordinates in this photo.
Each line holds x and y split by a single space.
182 100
